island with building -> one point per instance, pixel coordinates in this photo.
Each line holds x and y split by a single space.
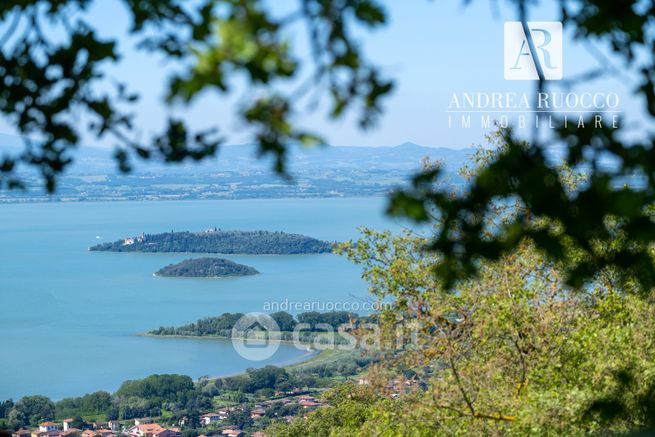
216 240
206 268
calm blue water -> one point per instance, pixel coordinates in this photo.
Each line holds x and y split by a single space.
68 316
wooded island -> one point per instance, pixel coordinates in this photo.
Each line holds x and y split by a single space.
206 268
219 241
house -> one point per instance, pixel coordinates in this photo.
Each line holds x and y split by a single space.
70 432
209 418
307 404
21 433
37 433
170 432
48 426
142 421
114 425
88 433
153 430
257 413
183 421
232 433
67 424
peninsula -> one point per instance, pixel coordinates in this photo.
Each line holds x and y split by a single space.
206 268
219 241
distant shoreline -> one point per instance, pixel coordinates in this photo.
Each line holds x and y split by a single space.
6 201
306 358
216 337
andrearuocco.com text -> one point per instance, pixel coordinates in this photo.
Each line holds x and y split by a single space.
322 306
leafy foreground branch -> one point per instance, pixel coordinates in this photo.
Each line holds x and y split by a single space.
607 220
55 92
513 352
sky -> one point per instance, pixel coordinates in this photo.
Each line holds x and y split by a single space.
431 48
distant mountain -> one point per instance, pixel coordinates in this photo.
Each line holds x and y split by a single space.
406 156
236 173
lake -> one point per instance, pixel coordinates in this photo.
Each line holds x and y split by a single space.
68 317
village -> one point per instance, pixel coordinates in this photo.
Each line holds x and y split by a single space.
214 423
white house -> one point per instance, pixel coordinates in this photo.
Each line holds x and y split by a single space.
48 426
114 425
209 418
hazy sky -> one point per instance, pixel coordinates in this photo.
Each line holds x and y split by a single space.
432 48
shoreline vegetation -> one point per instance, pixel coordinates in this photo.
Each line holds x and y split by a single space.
216 240
318 328
171 399
249 400
219 328
209 268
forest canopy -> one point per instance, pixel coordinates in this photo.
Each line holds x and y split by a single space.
206 268
220 241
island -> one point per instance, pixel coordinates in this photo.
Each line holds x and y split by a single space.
206 268
219 241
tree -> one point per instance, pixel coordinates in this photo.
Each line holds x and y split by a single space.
217 40
50 81
352 407
284 320
616 199
266 377
162 387
240 418
5 407
30 410
513 352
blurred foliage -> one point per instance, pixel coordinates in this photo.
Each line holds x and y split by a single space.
605 222
512 351
54 89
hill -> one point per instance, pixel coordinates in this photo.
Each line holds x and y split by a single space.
219 241
206 268
236 173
